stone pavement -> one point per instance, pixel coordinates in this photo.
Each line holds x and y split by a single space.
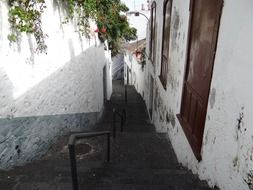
140 158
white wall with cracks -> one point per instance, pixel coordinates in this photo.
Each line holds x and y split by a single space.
227 150
43 96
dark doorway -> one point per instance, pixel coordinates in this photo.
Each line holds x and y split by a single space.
203 33
104 84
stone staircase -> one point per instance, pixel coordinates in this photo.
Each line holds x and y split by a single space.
140 158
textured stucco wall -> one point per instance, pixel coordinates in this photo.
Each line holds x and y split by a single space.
227 152
43 96
136 76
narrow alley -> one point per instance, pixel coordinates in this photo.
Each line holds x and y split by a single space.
140 157
126 94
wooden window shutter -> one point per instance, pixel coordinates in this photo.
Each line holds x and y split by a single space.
166 42
152 32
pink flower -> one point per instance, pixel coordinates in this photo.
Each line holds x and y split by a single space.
103 30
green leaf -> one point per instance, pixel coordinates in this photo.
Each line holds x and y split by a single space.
12 38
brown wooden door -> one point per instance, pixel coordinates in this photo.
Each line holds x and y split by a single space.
203 34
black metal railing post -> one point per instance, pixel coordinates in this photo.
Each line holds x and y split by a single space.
123 113
121 123
114 123
126 93
108 146
122 116
72 157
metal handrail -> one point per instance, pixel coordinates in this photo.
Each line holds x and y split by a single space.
122 116
72 155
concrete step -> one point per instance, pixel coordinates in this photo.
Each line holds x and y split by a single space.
116 176
105 186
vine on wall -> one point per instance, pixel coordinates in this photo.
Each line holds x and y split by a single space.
25 16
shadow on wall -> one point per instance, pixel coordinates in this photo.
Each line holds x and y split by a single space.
71 48
65 101
60 7
6 89
57 93
1 25
31 47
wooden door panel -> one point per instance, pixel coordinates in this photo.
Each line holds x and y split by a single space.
204 25
193 108
186 102
205 14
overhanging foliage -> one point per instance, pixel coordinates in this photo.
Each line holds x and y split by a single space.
25 16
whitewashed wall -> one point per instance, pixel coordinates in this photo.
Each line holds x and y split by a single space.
137 75
43 96
227 151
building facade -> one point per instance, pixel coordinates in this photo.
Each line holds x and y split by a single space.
197 85
43 96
